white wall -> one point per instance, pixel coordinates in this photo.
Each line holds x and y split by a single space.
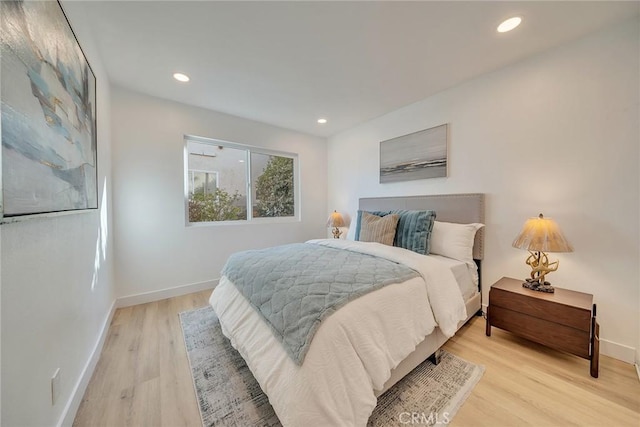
155 250
556 133
57 288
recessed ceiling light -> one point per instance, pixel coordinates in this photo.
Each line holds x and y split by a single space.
509 24
322 121
181 77
241 161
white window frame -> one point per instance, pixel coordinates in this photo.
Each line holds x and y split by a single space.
248 150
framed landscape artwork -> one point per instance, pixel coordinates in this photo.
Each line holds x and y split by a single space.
419 155
48 94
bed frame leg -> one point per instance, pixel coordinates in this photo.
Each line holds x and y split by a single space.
435 357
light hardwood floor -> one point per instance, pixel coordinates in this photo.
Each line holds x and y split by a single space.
143 378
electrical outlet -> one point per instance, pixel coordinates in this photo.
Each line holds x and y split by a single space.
55 387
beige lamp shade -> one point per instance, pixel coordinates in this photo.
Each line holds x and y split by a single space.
335 220
542 235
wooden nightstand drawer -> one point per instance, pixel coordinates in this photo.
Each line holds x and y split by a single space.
558 313
541 331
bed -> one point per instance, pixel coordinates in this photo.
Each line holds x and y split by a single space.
370 343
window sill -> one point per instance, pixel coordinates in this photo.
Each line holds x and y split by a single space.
255 221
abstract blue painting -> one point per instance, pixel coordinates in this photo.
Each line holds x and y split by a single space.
48 97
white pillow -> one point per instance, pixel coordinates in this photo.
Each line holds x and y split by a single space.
351 233
454 240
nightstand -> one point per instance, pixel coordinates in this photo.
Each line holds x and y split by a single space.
564 320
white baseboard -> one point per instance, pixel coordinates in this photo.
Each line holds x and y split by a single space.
71 408
152 296
608 348
618 351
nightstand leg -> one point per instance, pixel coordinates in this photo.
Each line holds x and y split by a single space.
595 351
488 330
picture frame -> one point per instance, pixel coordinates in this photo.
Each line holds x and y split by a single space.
418 155
48 113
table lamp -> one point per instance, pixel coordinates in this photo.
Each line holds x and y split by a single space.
335 220
540 235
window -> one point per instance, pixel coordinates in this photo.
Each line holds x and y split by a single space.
272 185
225 181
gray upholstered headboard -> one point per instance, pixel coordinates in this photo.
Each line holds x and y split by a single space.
460 208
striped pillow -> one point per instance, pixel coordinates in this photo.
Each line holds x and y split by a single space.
381 229
413 231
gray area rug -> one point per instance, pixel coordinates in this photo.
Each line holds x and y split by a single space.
229 395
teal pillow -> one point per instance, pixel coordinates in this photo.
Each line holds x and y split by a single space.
413 231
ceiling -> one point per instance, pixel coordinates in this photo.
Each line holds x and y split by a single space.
289 63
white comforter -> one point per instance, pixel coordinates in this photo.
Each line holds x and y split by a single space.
354 350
